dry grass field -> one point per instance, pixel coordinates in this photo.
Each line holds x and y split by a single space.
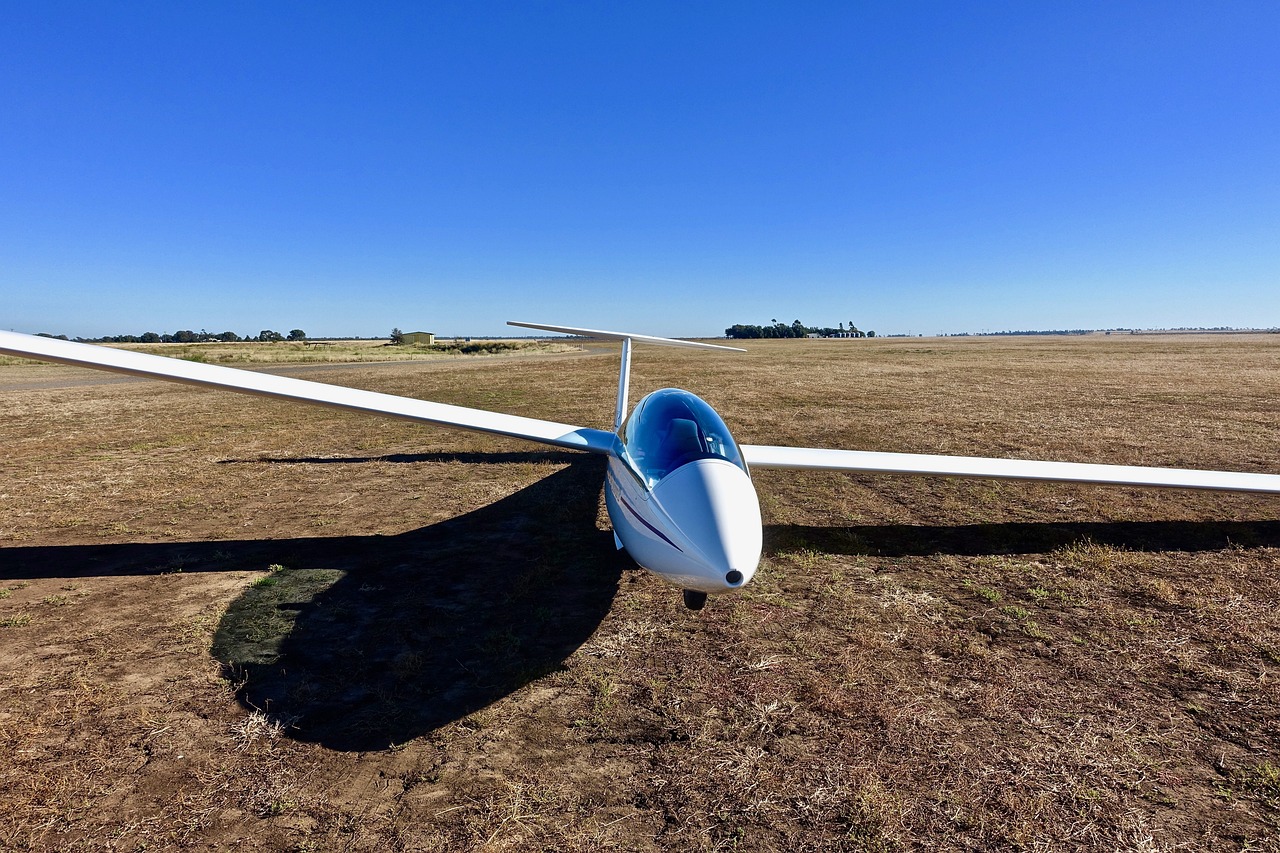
329 352
235 623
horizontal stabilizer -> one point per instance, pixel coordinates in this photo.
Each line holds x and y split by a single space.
764 456
302 391
621 336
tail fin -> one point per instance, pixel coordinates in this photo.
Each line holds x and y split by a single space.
624 373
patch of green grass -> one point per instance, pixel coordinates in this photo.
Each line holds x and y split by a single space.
16 621
603 702
1033 630
476 348
254 627
271 579
984 592
1265 779
279 807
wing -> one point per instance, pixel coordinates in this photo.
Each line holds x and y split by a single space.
302 391
621 336
765 456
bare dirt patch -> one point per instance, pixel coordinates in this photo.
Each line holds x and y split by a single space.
227 621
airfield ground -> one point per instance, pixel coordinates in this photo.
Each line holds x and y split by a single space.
236 623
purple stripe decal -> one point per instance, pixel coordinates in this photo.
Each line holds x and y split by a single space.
641 519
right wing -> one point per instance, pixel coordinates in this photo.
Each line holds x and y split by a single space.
302 391
767 456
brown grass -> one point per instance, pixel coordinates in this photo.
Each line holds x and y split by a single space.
234 622
338 351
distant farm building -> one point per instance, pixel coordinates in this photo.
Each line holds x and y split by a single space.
423 339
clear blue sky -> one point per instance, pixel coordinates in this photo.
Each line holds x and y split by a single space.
670 168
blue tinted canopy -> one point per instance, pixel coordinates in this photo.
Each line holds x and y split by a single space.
670 428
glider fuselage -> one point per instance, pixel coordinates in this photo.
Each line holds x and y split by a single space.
680 497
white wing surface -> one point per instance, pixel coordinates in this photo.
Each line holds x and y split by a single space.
302 391
765 456
621 336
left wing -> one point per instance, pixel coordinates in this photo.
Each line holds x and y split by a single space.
766 456
302 391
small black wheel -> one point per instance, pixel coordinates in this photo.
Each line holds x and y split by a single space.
694 600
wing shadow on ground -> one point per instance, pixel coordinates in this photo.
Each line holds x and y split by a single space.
367 641
908 540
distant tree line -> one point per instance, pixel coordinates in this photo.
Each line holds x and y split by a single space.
186 336
795 329
1118 329
1021 333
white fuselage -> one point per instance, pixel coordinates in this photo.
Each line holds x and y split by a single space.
696 524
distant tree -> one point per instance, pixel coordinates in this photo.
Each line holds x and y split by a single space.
47 335
871 334
228 337
397 337
149 338
184 336
297 335
267 336
777 330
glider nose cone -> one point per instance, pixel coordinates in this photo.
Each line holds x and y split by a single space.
714 505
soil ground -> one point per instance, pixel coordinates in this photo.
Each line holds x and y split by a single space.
236 623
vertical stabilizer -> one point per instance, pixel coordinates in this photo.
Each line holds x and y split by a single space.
624 385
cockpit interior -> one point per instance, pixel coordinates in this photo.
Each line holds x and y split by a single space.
670 428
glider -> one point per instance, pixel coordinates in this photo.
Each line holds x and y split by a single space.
678 487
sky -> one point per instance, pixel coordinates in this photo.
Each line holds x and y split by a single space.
664 168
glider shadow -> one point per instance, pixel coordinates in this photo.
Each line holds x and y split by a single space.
973 540
364 642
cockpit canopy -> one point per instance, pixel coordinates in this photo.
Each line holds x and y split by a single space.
670 428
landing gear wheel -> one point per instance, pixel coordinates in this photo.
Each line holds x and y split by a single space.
694 600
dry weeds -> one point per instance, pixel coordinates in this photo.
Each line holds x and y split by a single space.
233 622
